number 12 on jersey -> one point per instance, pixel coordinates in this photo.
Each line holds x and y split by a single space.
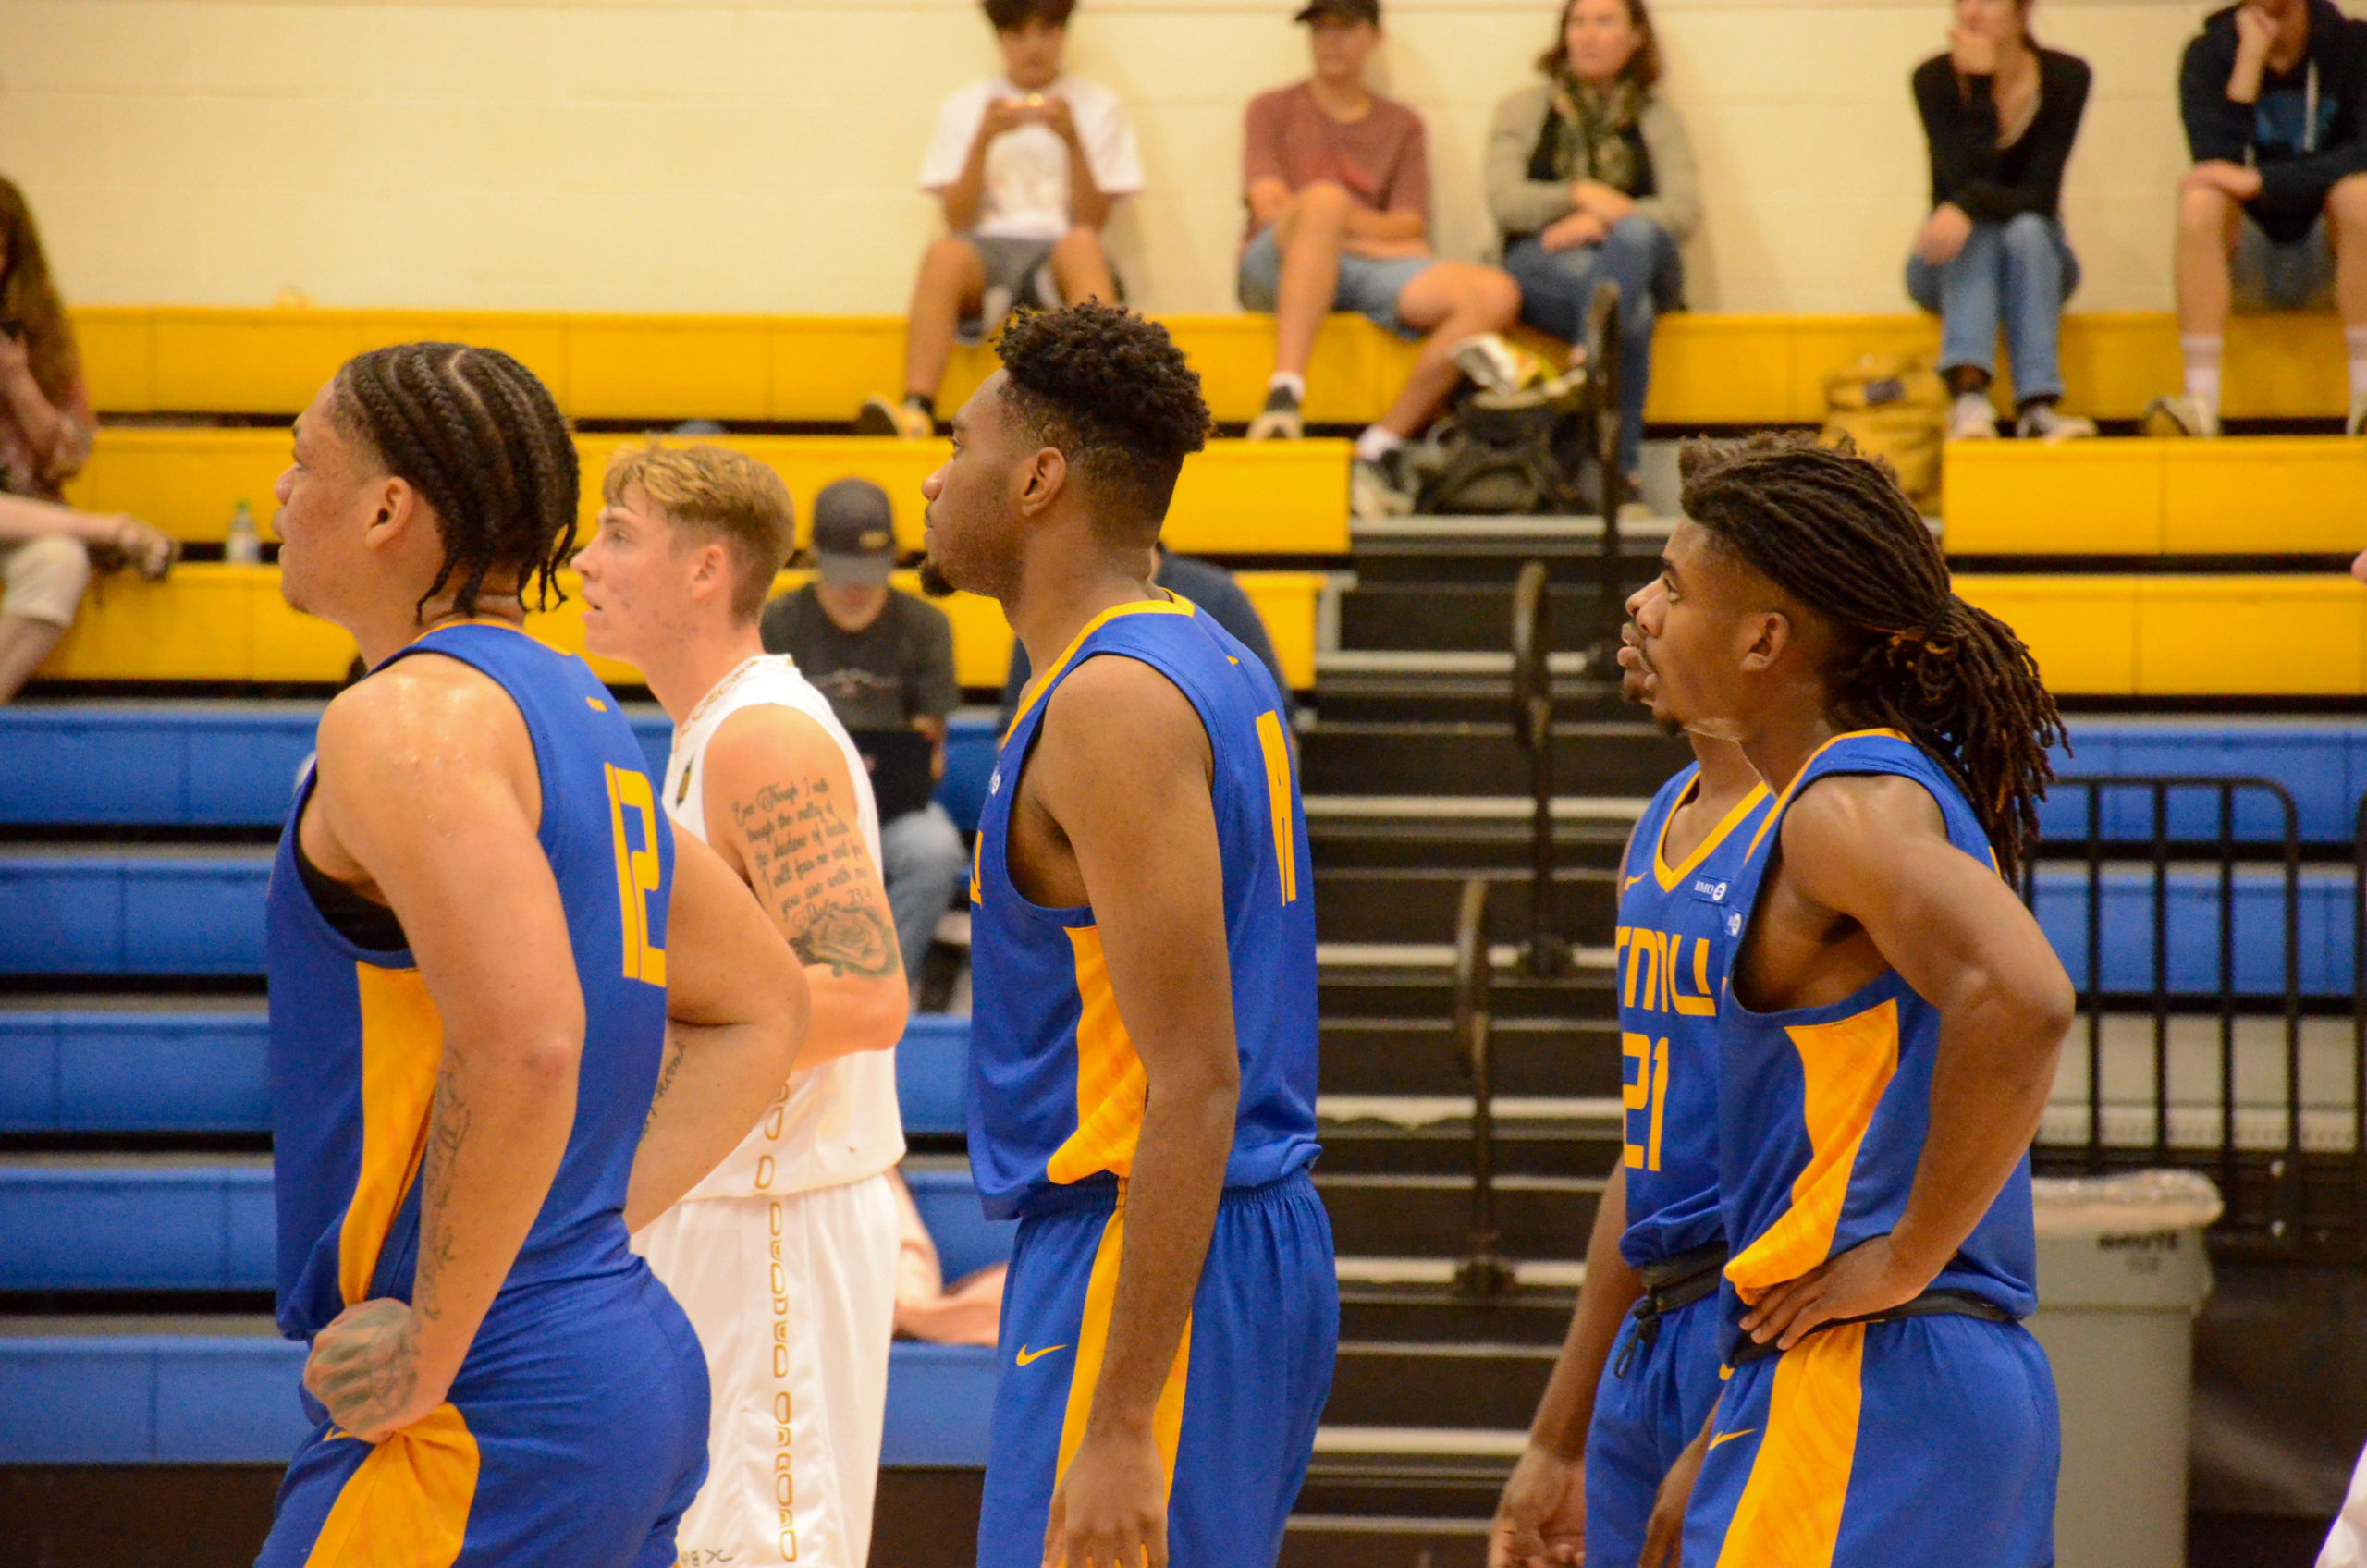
1648 1091
640 873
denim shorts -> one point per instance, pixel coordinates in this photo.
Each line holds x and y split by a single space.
1367 287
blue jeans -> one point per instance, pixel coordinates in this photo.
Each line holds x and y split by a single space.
1556 286
922 861
2020 271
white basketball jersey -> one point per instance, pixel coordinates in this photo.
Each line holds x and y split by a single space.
836 1122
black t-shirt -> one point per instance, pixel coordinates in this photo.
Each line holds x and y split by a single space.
1989 182
897 669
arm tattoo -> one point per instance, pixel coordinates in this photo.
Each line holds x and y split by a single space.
664 1081
448 1128
811 865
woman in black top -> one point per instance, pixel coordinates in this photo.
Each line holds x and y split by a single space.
2000 114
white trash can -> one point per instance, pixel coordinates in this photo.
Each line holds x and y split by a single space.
2121 1274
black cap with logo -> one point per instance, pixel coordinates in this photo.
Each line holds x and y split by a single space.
855 534
1346 10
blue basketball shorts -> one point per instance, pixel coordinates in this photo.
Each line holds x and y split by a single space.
573 1438
1236 1422
1927 1442
1643 1418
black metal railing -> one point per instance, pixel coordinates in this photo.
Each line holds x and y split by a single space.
1605 373
1483 1272
1545 953
2148 845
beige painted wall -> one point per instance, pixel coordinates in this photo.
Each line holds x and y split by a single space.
719 157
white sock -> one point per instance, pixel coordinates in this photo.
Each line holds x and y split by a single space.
2202 369
2354 343
1376 443
1290 382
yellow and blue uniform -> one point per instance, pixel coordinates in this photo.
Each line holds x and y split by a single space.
576 1430
1670 955
1930 1434
1057 1095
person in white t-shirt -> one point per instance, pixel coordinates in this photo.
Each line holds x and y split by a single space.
785 1255
1028 166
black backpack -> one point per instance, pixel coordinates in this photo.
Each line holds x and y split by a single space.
1497 453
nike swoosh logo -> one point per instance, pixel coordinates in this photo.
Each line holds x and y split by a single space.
1630 883
1026 1355
1729 1437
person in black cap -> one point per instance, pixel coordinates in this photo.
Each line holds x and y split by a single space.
885 659
1336 180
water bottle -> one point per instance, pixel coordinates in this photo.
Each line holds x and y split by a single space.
244 546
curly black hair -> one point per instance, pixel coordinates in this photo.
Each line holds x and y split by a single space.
1115 394
481 439
1009 16
1832 528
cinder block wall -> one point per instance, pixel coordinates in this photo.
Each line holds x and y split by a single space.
732 155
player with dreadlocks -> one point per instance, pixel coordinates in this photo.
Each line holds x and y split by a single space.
1888 1033
484 944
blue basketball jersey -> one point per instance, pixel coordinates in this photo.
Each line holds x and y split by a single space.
1056 1090
356 1041
1822 1112
1670 958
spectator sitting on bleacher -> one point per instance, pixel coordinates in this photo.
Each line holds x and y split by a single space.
1590 177
2272 216
885 659
1337 181
1207 585
1999 114
1028 166
47 549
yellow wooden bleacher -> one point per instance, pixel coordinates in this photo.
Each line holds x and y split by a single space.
2134 635
215 622
1238 498
1707 369
2261 494
2179 636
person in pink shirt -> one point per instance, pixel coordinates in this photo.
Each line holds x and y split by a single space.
1336 180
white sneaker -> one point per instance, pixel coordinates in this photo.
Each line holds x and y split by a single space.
1376 492
1972 418
1276 422
2356 423
2181 414
2044 422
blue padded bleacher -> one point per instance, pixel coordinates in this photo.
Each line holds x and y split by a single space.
132 912
175 1068
2127 935
146 765
73 1224
2321 762
231 1399
150 1399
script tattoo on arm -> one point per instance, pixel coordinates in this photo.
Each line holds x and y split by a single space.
672 1065
811 864
448 1129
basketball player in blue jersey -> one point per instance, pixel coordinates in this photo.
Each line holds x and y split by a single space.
1889 1031
1598 1451
509 1011
1143 1043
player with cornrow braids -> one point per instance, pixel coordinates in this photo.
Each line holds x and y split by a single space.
513 1011
435 413
1887 1033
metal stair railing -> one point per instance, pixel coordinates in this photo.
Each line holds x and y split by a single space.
1483 1274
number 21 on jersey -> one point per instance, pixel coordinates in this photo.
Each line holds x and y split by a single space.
1647 1091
